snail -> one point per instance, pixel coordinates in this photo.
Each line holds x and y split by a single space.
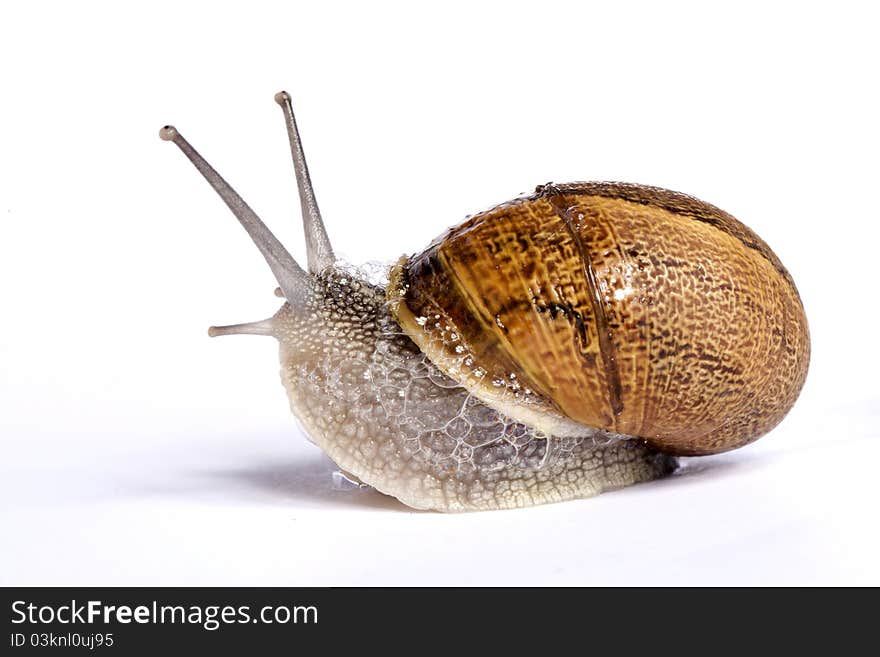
571 341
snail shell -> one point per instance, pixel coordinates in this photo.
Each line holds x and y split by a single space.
622 307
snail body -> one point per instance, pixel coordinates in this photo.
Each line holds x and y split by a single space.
558 345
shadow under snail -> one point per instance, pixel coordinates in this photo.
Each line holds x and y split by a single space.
555 346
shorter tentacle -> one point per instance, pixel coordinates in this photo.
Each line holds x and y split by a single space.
263 327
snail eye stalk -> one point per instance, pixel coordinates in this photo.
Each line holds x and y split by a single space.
318 248
294 282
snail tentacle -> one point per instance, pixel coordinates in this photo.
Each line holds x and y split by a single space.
262 327
293 280
318 247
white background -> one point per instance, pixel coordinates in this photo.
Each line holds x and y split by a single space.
137 451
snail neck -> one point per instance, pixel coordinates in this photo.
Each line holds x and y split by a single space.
342 317
364 392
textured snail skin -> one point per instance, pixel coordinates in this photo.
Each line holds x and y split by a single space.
371 399
621 307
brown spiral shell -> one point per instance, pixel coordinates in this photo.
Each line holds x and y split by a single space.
622 307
